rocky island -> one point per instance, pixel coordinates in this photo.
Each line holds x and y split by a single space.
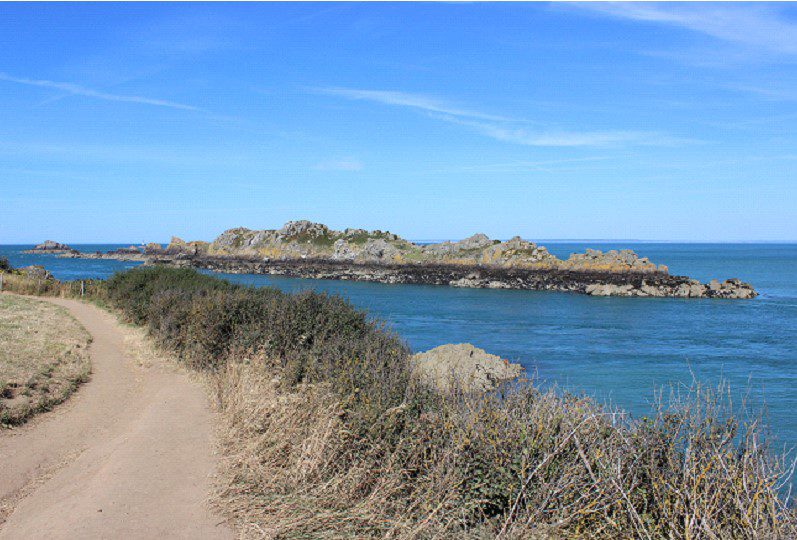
54 248
313 250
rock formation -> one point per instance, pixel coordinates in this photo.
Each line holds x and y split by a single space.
313 250
465 367
308 240
49 246
34 271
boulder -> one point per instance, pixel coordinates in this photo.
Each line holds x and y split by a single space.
609 289
464 366
649 290
477 241
35 271
343 251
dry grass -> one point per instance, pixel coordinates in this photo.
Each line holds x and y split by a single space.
526 464
140 347
43 357
92 290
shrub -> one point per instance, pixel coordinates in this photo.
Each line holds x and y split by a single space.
307 337
132 291
4 265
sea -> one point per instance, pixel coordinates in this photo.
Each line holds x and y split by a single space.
620 351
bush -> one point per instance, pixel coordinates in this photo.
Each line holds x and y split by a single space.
4 265
307 337
133 291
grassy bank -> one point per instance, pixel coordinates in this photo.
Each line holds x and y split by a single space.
43 357
328 434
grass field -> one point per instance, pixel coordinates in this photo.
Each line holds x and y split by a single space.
43 357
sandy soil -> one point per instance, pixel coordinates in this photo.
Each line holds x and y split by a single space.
130 455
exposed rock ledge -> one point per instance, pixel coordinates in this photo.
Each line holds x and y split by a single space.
312 250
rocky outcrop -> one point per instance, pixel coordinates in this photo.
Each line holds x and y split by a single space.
303 239
612 261
464 367
178 246
313 250
49 246
34 271
142 253
152 248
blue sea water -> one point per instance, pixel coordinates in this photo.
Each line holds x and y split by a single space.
616 349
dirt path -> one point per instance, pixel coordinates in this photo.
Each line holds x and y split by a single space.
128 456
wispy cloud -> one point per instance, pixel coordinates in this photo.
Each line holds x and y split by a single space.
568 138
502 128
546 165
345 164
78 90
405 99
759 26
774 94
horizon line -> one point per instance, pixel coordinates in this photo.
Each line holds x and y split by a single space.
438 240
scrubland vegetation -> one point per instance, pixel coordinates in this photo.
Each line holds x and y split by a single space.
43 357
328 434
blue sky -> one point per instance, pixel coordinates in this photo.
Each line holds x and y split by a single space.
126 123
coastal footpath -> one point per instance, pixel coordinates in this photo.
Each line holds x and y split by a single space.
313 250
